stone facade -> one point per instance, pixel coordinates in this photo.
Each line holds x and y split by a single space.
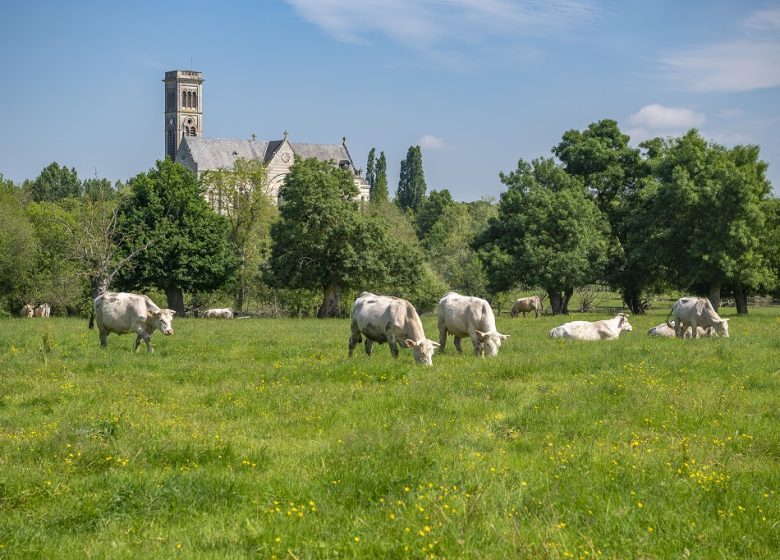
200 154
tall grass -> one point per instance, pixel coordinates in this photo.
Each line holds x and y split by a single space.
260 438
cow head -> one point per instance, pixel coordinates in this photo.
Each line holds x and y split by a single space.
163 319
722 327
623 324
422 350
490 342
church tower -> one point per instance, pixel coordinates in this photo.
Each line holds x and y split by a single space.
183 107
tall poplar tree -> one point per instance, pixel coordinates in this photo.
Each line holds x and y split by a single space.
380 192
411 184
371 170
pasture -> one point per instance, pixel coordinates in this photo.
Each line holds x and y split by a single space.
260 438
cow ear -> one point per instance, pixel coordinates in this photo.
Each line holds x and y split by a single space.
154 312
503 336
172 312
409 343
480 335
434 343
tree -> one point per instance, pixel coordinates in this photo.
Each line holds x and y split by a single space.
432 210
615 175
411 184
371 170
549 233
710 211
55 183
323 241
188 242
380 193
242 195
18 248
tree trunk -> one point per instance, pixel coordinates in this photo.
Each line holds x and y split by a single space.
633 300
566 298
331 303
715 293
555 301
740 299
175 299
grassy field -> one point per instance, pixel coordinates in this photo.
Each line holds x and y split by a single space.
260 438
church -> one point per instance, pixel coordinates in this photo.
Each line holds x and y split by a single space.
185 143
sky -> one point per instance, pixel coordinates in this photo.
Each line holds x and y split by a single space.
478 84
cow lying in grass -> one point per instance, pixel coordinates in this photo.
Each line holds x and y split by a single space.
668 331
607 329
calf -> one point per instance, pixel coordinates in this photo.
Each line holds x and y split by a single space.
464 316
126 313
608 329
389 319
526 305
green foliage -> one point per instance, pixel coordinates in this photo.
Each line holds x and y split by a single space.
411 183
99 189
230 443
380 193
55 183
323 241
371 170
548 233
18 249
431 211
189 246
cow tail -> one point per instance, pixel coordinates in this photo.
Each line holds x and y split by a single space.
92 319
668 324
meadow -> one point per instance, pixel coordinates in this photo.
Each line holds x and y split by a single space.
260 438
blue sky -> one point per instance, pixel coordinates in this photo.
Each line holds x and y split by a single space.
477 83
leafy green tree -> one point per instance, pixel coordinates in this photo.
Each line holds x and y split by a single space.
99 189
242 195
55 183
187 242
549 233
615 175
18 248
431 211
371 170
380 193
323 241
710 211
411 184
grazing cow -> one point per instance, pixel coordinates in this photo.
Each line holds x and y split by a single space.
43 310
27 311
668 331
526 305
608 329
469 316
389 319
126 313
696 312
224 313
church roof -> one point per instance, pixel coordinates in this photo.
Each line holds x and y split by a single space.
222 153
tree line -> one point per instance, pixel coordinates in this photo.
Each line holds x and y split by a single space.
680 214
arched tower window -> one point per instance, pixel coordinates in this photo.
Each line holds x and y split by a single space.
192 131
184 99
194 99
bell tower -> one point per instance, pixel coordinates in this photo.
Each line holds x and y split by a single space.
183 107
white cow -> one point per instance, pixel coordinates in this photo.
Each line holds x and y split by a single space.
389 319
464 316
668 331
122 313
526 305
223 313
608 329
696 312
43 310
27 311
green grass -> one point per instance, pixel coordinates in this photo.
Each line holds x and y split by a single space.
260 438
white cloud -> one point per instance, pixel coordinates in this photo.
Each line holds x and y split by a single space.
735 64
431 142
658 117
430 25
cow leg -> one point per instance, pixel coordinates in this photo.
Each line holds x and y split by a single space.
523 314
442 339
148 340
457 345
103 338
537 313
138 340
393 348
369 346
694 329
353 341
477 345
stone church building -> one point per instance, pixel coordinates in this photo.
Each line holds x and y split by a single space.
185 143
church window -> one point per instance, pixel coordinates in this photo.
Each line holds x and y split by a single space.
194 99
192 131
184 99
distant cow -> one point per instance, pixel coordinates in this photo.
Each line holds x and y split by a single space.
122 313
696 312
464 316
608 329
27 311
526 305
389 319
43 310
223 313
668 331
